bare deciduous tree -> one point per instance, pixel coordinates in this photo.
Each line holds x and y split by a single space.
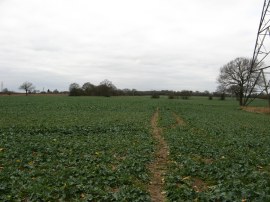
237 75
27 86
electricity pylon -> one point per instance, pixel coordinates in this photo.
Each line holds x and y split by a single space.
260 57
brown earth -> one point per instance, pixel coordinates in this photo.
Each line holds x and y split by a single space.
198 185
35 94
158 166
260 110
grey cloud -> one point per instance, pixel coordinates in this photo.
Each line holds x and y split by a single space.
154 44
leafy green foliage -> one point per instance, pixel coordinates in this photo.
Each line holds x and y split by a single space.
74 149
225 148
98 149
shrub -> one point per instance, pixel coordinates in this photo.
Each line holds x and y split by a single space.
156 96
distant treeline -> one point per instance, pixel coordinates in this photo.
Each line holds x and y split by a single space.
107 88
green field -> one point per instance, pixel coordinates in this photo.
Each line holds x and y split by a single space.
98 149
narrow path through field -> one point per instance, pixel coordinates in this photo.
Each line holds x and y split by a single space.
158 167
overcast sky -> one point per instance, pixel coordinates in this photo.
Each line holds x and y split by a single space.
141 44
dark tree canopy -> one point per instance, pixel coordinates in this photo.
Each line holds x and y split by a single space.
75 89
27 86
237 77
74 86
105 88
88 88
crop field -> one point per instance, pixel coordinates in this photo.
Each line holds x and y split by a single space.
103 149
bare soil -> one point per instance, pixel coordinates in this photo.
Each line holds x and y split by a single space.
260 110
159 165
198 185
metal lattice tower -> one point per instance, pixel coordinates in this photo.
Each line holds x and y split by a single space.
261 56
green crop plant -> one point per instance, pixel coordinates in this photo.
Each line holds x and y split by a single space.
98 149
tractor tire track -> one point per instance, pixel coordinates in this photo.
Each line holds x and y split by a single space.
159 165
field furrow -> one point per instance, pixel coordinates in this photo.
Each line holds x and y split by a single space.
158 166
